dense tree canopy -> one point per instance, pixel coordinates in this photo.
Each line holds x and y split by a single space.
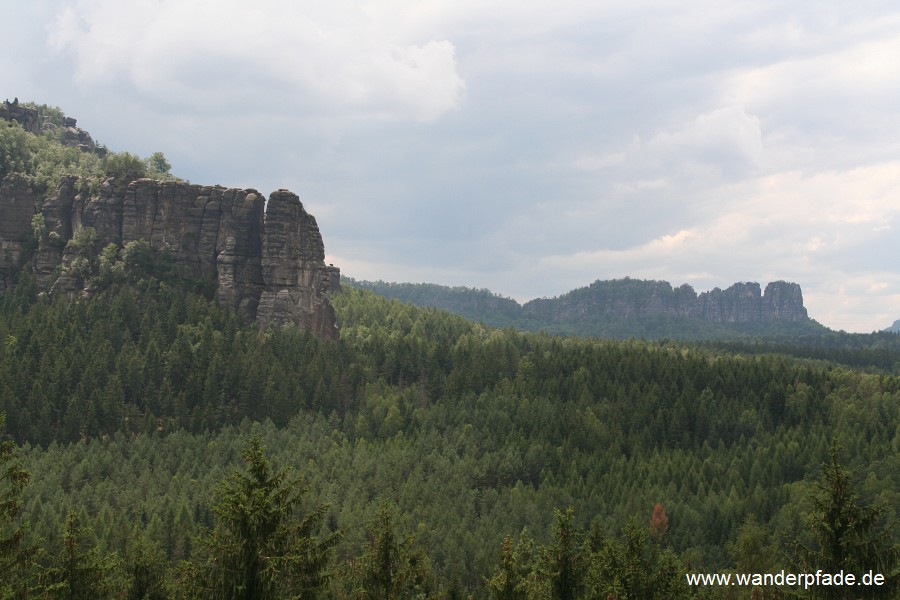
144 397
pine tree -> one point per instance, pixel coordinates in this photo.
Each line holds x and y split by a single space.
564 559
262 548
634 567
392 568
145 564
848 536
14 557
516 564
79 571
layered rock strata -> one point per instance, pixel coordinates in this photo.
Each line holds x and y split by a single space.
267 263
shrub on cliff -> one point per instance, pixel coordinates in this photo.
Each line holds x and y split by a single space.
125 166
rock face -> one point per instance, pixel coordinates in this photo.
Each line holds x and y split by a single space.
293 267
267 264
636 299
16 212
26 117
742 303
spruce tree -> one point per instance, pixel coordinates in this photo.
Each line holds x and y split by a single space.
848 536
262 547
78 571
392 568
14 556
564 559
516 564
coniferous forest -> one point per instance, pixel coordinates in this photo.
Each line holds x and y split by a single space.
156 446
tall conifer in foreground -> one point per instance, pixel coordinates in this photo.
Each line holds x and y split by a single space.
391 567
262 547
14 557
848 536
79 571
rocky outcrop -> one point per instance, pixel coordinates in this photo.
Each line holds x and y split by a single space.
68 133
17 210
624 308
637 299
23 115
267 264
76 137
783 301
334 278
743 303
293 267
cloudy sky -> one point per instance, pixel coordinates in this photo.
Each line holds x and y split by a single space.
525 146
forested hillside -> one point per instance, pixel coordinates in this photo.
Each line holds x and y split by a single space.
156 445
132 406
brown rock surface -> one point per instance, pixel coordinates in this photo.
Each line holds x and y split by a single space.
295 277
783 301
17 210
266 265
24 116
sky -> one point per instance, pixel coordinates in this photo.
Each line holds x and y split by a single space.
529 147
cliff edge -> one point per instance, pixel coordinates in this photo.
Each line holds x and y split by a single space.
266 259
627 298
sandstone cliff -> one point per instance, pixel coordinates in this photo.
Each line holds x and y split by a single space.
16 211
637 299
626 308
266 262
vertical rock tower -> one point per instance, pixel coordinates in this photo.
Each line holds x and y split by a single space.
294 274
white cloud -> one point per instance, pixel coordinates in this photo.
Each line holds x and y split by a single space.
843 93
726 140
271 55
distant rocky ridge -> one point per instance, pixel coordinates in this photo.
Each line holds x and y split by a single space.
267 261
625 308
895 328
635 299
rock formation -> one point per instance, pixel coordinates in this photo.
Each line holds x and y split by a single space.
636 299
742 303
266 263
16 211
29 119
621 308
293 269
23 115
77 137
